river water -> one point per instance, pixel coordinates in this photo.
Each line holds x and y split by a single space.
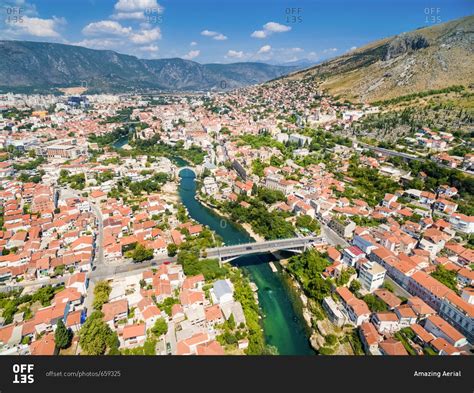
121 142
283 324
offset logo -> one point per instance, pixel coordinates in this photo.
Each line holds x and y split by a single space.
23 373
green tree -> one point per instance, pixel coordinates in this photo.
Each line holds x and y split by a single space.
141 253
374 303
160 327
331 339
270 196
446 277
172 249
44 295
59 270
62 335
388 286
113 344
95 335
231 322
270 350
101 294
192 266
305 221
355 286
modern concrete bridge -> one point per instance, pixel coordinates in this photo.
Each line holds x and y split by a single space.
224 254
228 253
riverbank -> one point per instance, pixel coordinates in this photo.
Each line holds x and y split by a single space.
320 328
251 232
246 226
170 192
304 302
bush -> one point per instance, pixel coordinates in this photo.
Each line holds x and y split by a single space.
374 303
326 351
331 339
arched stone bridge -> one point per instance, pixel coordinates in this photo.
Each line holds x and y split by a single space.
195 169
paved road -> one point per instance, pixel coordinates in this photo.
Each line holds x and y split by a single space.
332 237
408 156
99 259
397 289
100 273
99 250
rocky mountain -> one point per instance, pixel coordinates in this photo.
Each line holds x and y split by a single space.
41 67
428 58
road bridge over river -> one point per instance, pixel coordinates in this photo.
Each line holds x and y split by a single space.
228 253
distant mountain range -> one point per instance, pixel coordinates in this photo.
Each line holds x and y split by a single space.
428 58
29 67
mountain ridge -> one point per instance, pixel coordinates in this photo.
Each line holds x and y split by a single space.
43 66
427 58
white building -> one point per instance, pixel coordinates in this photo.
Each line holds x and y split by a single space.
222 292
371 276
462 223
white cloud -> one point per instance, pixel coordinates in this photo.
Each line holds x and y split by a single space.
192 54
270 28
353 48
136 9
120 45
38 27
150 48
113 28
137 5
219 37
208 33
214 34
138 15
106 27
267 53
323 54
258 34
146 36
235 54
193 43
264 49
99 43
276 27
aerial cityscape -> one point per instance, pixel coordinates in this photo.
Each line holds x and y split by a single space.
249 183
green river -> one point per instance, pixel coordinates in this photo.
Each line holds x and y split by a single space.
283 324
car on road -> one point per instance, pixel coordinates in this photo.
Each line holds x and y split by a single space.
167 262
248 248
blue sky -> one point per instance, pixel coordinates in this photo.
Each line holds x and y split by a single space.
276 31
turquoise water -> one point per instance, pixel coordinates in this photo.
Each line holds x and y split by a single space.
119 143
283 325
